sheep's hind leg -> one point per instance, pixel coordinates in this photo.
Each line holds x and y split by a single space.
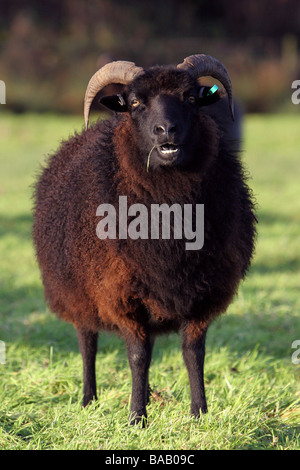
139 355
193 349
87 341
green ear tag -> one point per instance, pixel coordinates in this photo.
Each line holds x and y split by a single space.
212 90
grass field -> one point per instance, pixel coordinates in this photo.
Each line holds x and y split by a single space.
252 384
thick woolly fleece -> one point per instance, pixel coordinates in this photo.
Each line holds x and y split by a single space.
133 285
141 288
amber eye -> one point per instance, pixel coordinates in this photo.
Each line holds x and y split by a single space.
135 103
192 99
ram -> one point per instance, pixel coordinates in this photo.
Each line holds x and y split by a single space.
171 141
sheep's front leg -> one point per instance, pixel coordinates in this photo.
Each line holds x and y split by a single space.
139 355
193 349
87 341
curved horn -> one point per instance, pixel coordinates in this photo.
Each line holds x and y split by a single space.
203 65
115 72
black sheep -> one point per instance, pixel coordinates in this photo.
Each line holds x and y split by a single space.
171 142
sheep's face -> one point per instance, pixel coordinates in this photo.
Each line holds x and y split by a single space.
164 105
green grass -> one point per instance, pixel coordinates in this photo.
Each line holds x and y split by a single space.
252 385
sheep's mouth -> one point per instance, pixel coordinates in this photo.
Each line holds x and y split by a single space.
168 151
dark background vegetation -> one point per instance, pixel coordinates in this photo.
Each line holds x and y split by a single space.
49 50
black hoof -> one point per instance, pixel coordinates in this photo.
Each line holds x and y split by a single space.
87 400
196 413
135 419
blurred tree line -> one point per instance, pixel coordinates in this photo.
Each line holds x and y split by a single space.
49 50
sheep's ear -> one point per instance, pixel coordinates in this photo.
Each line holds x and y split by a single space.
115 103
209 95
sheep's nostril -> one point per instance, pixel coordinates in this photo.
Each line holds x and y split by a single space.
159 130
171 129
166 129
